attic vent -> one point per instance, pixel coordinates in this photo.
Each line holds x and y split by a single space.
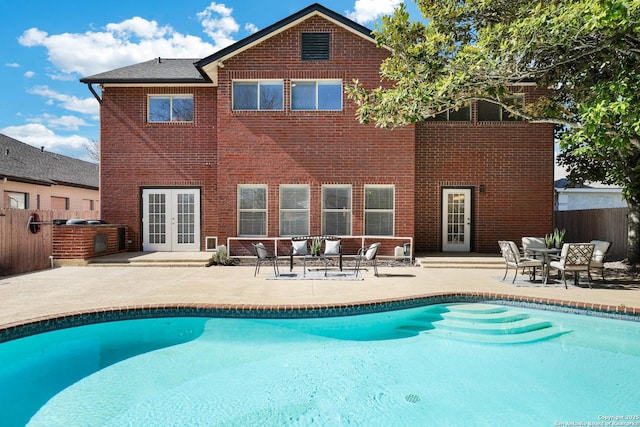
315 46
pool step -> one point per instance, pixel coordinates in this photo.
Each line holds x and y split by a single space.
484 323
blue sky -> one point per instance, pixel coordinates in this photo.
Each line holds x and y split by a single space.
46 49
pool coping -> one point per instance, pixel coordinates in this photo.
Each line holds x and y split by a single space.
25 328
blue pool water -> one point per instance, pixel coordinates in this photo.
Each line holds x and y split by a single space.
466 364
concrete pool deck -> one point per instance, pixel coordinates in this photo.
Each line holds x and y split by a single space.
69 290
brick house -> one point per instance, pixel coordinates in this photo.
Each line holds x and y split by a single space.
258 141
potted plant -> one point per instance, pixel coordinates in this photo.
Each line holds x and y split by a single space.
548 240
316 244
558 237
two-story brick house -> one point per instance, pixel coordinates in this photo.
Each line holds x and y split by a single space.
259 141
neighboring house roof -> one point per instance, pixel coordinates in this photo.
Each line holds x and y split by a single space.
157 70
25 163
203 71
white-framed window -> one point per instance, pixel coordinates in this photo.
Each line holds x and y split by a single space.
170 108
336 210
490 112
379 212
258 95
14 200
252 210
316 95
294 210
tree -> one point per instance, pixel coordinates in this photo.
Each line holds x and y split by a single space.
93 150
586 52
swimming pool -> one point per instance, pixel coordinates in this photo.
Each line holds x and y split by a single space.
445 364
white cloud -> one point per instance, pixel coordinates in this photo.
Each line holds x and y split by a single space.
72 103
128 42
29 74
12 65
250 28
218 24
39 135
369 10
67 123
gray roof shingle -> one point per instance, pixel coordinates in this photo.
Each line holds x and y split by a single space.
157 70
23 162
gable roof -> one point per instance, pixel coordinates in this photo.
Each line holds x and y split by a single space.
25 163
278 27
157 70
205 71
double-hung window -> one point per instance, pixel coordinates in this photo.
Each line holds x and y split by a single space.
170 108
258 95
462 114
378 210
316 95
252 210
294 210
336 210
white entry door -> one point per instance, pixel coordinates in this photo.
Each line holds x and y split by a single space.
171 219
456 220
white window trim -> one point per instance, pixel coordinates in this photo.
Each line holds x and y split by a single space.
349 209
392 210
317 81
170 96
258 82
307 210
265 210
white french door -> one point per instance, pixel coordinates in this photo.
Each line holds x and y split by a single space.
456 220
171 219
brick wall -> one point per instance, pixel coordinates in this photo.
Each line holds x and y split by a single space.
513 161
314 148
76 242
136 154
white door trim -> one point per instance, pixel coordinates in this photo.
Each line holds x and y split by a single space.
171 219
456 219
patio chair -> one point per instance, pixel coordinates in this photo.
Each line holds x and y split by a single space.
512 258
333 248
575 257
600 253
532 242
368 253
261 256
299 247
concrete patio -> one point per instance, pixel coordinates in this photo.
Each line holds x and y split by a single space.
73 289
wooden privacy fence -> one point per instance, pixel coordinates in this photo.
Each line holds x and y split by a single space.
597 224
21 250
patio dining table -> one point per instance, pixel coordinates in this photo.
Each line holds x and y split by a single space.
546 254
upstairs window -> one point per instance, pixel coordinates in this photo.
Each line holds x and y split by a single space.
462 114
315 46
316 95
490 112
170 108
258 95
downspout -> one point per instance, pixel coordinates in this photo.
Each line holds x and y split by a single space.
93 91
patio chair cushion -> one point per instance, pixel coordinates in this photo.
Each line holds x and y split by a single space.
332 247
599 252
371 252
299 247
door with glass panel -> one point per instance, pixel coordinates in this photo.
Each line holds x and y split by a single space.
171 220
456 220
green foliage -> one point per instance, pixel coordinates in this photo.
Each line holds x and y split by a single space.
585 52
221 257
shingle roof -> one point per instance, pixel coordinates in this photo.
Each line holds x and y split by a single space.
158 70
23 162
